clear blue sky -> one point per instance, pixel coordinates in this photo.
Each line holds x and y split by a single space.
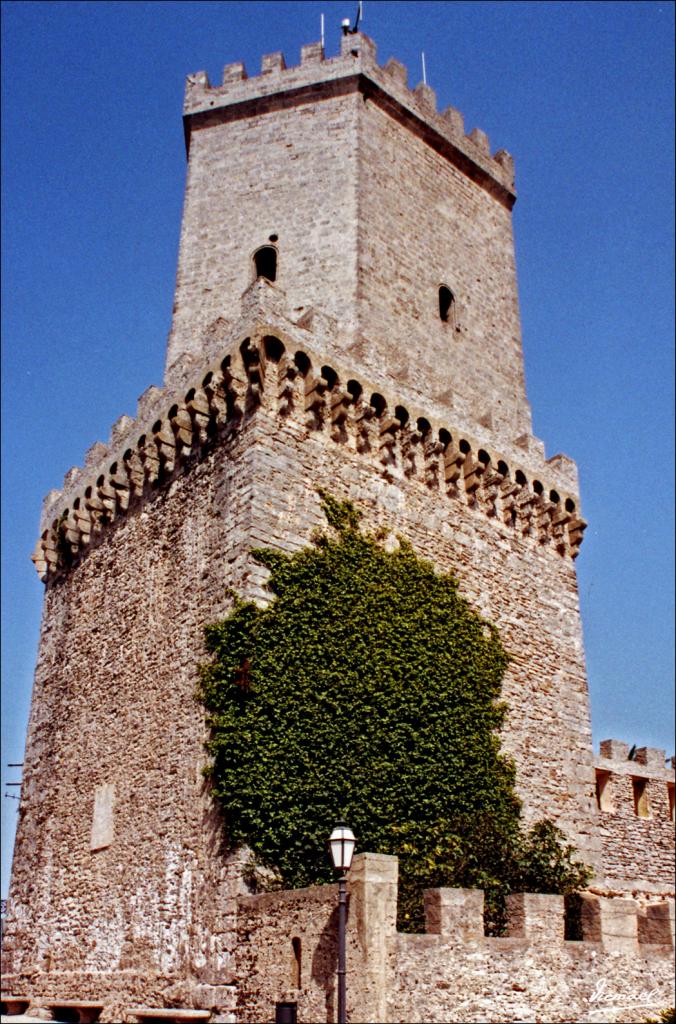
93 162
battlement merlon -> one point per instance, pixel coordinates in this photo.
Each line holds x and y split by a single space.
645 762
354 70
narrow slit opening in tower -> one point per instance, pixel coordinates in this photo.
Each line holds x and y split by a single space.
572 917
446 304
265 262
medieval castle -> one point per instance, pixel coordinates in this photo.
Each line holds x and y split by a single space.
346 316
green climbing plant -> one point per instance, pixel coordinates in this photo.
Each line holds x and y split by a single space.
369 689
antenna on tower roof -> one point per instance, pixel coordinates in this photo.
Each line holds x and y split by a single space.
345 23
424 69
321 29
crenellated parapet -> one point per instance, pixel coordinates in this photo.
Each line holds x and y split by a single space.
354 69
648 762
537 970
634 782
274 370
618 924
635 801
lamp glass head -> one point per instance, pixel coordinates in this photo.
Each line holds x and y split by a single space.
341 845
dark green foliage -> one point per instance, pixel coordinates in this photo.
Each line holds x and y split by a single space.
368 689
545 864
667 1016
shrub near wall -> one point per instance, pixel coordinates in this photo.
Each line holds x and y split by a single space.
369 689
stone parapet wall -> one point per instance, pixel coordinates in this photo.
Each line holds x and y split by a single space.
405 443
619 971
635 797
303 83
286 952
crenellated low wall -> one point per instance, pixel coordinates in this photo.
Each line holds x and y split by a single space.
620 971
286 952
635 801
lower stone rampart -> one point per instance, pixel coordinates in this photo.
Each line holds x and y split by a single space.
620 971
119 993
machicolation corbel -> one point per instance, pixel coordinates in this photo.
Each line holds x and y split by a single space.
261 372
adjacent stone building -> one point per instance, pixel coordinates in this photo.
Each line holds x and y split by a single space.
346 317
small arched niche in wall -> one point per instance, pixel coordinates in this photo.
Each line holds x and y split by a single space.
265 263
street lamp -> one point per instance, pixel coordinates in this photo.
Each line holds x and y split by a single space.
341 845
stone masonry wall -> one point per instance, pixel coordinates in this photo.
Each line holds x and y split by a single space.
620 971
637 838
236 465
423 224
138 561
272 970
114 705
527 592
534 976
500 538
290 173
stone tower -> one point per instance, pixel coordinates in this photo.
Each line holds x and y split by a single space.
345 317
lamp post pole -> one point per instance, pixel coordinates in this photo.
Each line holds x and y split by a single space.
342 919
341 845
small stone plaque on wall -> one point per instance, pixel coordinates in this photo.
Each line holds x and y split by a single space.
102 821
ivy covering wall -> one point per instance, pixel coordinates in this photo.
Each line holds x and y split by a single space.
368 689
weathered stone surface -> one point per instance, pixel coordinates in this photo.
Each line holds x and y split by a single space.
103 830
612 922
455 913
537 917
